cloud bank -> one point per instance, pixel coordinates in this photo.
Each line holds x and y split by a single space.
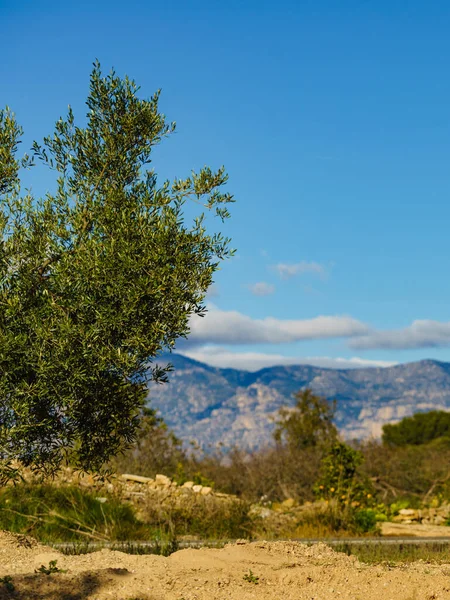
420 334
217 356
232 327
220 327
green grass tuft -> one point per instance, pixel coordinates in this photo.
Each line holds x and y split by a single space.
66 514
52 568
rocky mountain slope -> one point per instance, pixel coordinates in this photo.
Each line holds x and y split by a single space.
212 405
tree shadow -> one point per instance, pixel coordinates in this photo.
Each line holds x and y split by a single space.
60 586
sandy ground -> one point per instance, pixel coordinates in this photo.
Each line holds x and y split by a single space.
286 571
414 530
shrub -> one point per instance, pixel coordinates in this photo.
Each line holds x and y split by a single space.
340 480
365 520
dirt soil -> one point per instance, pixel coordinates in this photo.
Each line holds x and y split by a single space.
279 571
414 530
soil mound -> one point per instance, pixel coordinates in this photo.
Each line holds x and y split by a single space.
240 571
16 548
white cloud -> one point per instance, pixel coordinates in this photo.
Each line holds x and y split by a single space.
213 291
420 334
261 288
254 361
286 270
232 327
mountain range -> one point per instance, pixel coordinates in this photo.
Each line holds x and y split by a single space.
236 407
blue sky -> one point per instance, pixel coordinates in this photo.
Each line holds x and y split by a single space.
332 119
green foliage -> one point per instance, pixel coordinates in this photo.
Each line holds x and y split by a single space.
67 513
340 479
251 577
7 581
309 423
396 507
10 133
382 512
348 493
96 279
52 568
420 428
365 520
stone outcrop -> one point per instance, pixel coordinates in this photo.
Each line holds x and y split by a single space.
427 516
143 492
140 491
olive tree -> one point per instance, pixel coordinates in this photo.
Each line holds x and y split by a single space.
97 278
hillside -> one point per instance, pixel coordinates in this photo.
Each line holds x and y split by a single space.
213 405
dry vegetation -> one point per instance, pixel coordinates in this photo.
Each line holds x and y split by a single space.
290 467
308 484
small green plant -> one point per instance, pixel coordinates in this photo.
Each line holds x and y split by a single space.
365 520
382 512
7 582
165 545
251 577
52 568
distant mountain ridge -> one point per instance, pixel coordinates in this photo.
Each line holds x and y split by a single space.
212 405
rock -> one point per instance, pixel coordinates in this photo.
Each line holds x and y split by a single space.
86 480
137 478
414 529
163 480
439 520
205 491
188 484
407 515
197 488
